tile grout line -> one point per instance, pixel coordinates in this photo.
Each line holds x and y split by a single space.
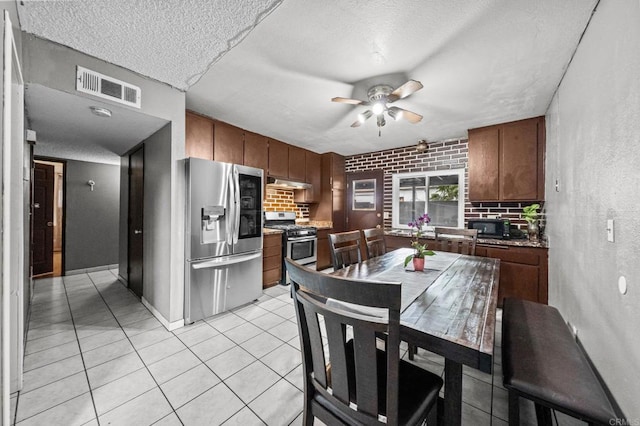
95 410
137 353
83 364
222 381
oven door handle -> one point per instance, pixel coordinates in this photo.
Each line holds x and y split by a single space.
297 239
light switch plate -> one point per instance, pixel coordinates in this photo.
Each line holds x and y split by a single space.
610 230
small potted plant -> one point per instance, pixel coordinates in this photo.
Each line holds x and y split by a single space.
420 248
530 214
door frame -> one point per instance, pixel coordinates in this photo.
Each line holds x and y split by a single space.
64 211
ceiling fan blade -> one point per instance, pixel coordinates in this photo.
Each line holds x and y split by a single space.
356 123
405 90
348 101
400 113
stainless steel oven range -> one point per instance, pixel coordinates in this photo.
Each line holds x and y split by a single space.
300 243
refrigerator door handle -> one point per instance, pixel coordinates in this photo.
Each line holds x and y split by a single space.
225 261
236 182
231 219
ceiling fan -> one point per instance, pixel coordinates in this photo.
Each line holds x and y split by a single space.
379 96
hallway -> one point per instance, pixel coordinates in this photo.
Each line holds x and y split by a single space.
96 355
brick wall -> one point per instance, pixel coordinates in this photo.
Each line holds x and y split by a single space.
281 200
442 155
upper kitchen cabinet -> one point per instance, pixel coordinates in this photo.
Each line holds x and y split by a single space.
228 143
313 171
506 161
331 206
278 159
256 151
297 164
198 136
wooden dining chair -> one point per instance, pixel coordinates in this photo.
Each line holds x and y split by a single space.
352 381
345 249
456 240
374 241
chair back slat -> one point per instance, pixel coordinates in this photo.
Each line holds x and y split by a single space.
352 384
456 240
365 363
336 336
345 249
316 347
374 240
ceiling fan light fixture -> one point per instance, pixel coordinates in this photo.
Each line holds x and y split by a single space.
395 113
422 146
364 116
378 108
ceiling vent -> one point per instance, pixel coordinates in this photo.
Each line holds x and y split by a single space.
100 85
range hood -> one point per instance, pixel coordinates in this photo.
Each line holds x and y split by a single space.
286 184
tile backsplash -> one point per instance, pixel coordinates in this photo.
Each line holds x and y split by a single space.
281 200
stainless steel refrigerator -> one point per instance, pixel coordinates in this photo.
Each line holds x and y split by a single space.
223 247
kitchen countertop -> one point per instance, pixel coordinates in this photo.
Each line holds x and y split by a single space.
269 231
485 241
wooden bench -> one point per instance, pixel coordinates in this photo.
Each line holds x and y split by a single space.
542 362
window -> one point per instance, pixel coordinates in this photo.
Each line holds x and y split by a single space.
439 193
364 194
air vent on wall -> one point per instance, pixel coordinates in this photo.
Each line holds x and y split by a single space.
100 85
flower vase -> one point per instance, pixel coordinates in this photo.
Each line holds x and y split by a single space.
418 263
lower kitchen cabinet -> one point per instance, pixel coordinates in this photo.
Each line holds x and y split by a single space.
523 271
323 255
271 260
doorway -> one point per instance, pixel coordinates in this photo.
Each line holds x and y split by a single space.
48 218
364 199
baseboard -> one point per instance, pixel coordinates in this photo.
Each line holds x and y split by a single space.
94 269
168 325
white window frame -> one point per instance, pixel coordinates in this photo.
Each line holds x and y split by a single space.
395 186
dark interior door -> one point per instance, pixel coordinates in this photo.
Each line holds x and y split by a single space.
364 200
43 180
136 209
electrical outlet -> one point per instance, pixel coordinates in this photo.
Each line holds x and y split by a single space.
610 234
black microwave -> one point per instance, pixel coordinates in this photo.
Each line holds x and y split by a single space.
491 228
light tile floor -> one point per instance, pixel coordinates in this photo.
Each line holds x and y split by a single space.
95 356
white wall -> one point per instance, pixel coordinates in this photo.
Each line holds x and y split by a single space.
593 150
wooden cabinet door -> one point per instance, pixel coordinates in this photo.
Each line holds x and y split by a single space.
271 260
256 151
313 163
313 171
523 272
198 136
519 161
484 153
297 167
278 159
228 144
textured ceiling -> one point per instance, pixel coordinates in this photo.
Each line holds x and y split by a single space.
480 63
173 41
273 67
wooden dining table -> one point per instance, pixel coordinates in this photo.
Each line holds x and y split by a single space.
449 309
